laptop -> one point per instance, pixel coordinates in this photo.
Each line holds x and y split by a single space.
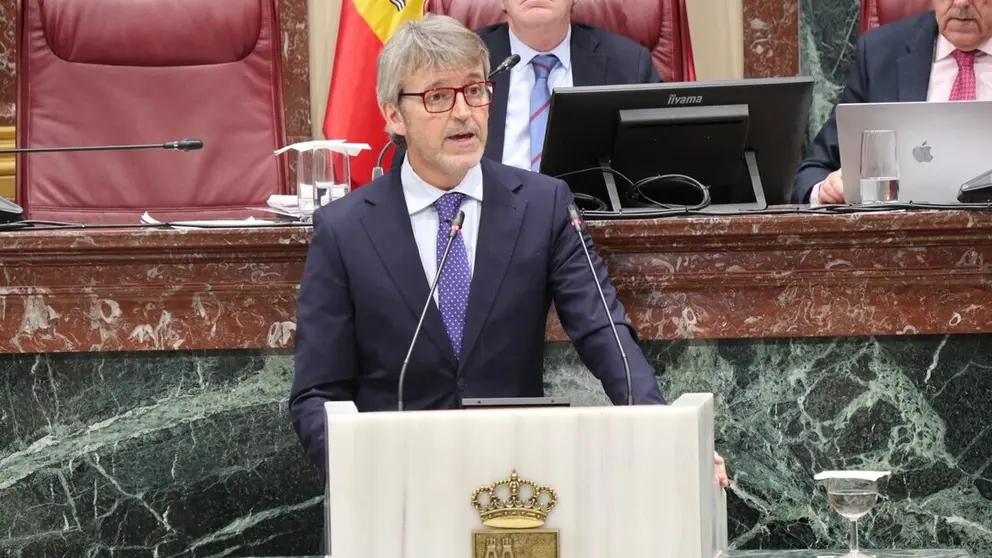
939 146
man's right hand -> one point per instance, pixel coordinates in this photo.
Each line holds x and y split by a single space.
832 189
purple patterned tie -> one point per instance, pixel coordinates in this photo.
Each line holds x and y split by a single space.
452 289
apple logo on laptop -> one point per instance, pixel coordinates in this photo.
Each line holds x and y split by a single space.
922 153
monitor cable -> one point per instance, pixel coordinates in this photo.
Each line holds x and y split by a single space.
637 192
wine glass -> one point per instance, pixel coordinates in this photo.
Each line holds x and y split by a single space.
852 497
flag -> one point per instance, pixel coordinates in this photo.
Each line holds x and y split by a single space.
352 110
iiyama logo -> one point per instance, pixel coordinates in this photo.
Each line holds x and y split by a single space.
674 99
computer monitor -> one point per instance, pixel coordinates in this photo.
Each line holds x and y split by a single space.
743 139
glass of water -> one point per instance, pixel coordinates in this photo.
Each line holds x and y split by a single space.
331 175
879 167
304 183
852 498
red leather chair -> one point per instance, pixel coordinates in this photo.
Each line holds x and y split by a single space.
880 12
662 26
96 72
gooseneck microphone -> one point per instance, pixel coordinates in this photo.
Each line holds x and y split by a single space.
456 227
505 66
10 211
179 145
575 220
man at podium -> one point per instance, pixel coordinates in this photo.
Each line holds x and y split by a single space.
498 242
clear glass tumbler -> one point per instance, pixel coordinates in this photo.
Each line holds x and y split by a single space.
879 167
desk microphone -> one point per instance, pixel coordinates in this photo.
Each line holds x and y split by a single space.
180 145
10 211
504 66
456 227
575 220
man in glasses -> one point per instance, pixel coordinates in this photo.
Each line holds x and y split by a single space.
375 252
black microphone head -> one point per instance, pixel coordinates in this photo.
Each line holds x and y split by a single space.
187 144
458 220
506 65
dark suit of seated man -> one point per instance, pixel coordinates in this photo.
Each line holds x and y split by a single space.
937 56
582 55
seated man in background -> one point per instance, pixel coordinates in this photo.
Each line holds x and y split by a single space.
554 52
375 252
942 55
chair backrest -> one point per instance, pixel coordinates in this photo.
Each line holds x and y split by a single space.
98 72
880 12
662 26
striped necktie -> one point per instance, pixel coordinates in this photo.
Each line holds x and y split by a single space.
540 99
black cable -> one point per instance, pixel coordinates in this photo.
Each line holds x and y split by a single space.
696 210
636 191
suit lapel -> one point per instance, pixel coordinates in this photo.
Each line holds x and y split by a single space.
388 225
914 67
502 215
588 65
498 42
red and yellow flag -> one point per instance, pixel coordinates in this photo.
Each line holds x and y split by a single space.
352 111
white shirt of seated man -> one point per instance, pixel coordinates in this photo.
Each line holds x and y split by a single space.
964 25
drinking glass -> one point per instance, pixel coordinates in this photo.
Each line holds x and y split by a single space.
852 498
304 183
879 167
331 175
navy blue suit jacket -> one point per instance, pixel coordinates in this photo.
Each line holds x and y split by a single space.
891 64
599 57
364 287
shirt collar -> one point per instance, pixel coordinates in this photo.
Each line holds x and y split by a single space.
563 52
944 48
420 195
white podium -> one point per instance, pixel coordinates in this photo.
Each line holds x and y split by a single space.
636 482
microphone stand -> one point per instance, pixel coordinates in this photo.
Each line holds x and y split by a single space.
180 145
456 226
10 211
575 220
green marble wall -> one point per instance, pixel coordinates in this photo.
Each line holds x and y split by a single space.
828 30
191 454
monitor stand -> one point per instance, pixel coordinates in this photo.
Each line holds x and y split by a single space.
617 209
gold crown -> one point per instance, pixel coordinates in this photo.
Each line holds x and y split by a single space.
502 505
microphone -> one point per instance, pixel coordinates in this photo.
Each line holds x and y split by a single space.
179 145
377 169
504 66
575 220
10 211
456 227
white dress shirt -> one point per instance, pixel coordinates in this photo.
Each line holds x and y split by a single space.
943 74
516 133
420 197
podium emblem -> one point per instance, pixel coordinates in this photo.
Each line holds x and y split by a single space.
514 509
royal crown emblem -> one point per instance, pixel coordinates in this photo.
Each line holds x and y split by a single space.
514 503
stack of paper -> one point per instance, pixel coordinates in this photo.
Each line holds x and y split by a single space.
249 222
